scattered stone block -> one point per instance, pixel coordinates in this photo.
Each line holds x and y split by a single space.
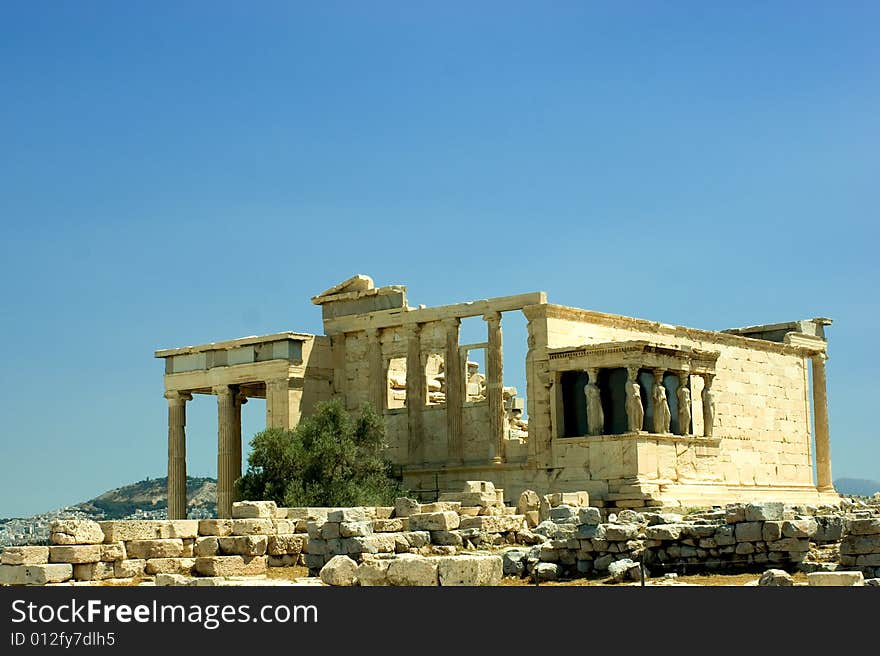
390 525
864 526
75 531
440 506
351 529
434 521
762 512
513 562
749 532
290 544
129 568
167 579
207 546
529 501
621 532
347 515
412 570
232 565
252 526
169 565
663 532
470 570
113 551
775 577
161 548
217 527
243 545
546 572
404 507
75 553
28 555
799 528
93 571
373 572
254 509
339 570
35 574
824 579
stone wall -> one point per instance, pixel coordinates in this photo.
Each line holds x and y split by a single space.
547 537
84 550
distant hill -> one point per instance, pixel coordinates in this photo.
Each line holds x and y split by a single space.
861 487
150 495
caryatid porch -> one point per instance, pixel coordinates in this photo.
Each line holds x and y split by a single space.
271 367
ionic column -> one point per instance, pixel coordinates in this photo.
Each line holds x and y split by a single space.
494 385
662 416
683 394
454 384
225 449
377 379
278 403
820 415
635 411
177 453
239 400
595 414
416 396
708 405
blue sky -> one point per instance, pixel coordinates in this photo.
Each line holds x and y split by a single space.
178 173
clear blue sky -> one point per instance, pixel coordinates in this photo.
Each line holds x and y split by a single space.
178 173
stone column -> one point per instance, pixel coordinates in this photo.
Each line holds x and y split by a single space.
239 400
415 394
377 378
820 415
177 453
635 411
225 449
494 385
278 403
595 414
708 405
454 385
683 394
662 416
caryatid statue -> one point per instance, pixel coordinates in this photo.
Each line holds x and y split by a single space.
662 416
595 414
708 405
683 394
635 412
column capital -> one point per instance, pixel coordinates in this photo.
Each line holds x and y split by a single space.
819 358
371 332
492 316
707 378
412 329
451 322
277 381
632 373
222 390
177 397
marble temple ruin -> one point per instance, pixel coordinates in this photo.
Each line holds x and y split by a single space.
637 413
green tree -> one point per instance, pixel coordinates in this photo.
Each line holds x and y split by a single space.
329 459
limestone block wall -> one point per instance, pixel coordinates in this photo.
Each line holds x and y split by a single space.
740 536
84 550
761 401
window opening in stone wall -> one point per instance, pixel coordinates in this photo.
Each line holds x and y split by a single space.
435 378
396 391
475 374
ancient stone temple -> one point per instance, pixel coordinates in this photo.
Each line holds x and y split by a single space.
633 411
